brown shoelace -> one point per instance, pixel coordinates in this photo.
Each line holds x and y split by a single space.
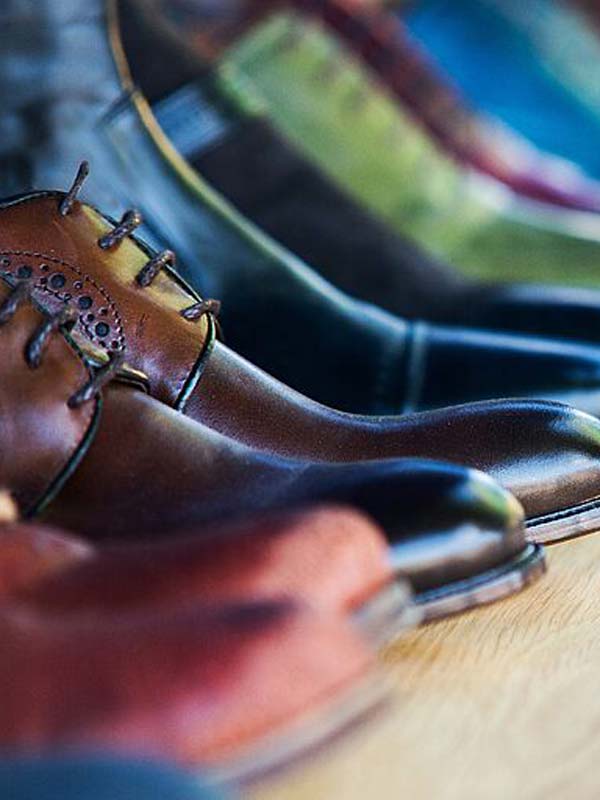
62 321
128 224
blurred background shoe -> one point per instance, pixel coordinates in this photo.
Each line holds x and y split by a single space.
218 124
99 777
530 66
329 557
184 685
377 149
30 552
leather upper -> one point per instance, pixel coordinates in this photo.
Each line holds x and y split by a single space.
242 402
172 472
163 471
42 436
62 258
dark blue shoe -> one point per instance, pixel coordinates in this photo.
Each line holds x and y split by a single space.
101 778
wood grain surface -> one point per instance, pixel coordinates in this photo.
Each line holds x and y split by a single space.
503 702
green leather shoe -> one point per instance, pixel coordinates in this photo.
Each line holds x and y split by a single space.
330 108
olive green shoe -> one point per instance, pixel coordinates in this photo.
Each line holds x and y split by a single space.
327 104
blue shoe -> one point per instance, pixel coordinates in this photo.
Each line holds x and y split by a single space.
101 778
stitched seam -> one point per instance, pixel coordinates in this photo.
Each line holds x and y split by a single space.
196 372
554 516
393 351
416 365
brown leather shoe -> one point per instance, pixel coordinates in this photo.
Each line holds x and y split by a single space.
129 298
93 683
262 558
139 467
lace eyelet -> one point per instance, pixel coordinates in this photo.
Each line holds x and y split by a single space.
57 281
24 272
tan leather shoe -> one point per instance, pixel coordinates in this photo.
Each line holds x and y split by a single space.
127 298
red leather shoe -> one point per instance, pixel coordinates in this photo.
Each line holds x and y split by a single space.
236 690
333 559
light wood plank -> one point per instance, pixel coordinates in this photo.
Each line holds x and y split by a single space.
500 703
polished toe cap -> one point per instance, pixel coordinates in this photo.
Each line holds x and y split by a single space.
547 454
480 528
444 523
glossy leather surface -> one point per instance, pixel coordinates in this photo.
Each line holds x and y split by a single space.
239 401
98 778
331 558
205 663
171 472
367 361
547 454
66 264
41 435
219 478
402 367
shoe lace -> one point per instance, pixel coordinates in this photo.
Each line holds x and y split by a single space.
127 225
63 320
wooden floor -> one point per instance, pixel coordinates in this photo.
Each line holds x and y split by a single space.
500 703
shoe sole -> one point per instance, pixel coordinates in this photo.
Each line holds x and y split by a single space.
306 737
388 613
561 525
485 588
